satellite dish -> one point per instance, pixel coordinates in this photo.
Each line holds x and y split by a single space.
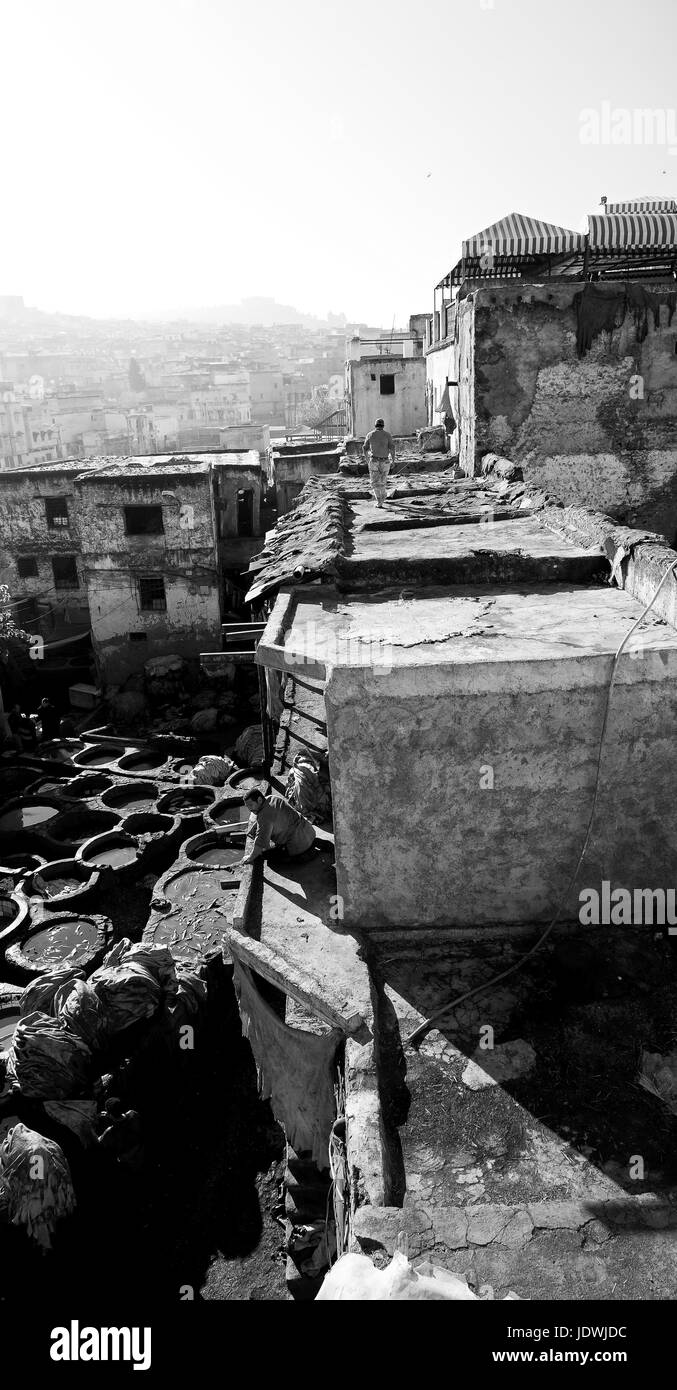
36 388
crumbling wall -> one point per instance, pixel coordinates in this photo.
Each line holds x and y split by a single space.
461 794
598 430
291 473
24 533
125 637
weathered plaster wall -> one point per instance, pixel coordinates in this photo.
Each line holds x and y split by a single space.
290 473
231 479
24 532
599 431
405 411
185 555
421 842
441 367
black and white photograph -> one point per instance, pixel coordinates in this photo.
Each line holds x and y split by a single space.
338 678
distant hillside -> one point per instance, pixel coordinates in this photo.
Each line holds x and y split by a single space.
256 310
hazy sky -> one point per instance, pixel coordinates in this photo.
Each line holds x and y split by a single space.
172 153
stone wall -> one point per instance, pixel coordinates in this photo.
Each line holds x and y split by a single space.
404 412
425 837
599 430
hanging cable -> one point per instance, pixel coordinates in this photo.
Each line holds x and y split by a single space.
478 989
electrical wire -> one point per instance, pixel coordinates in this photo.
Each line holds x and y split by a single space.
478 989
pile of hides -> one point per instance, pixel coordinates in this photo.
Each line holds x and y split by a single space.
295 1069
212 771
249 747
49 991
37 1183
355 1278
133 983
47 1062
658 1074
602 308
304 790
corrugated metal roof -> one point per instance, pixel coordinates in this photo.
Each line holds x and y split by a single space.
519 235
608 231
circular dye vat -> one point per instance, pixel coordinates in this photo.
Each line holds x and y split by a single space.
230 811
142 762
26 814
61 878
198 929
132 797
76 826
9 1017
76 940
89 785
186 801
111 851
215 847
9 911
245 781
18 865
97 756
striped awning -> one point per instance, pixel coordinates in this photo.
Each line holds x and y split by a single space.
632 231
518 235
644 205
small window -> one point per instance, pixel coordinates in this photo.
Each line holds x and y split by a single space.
143 521
152 598
65 572
27 566
245 512
386 385
138 636
56 512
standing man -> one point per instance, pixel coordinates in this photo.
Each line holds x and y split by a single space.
379 446
272 818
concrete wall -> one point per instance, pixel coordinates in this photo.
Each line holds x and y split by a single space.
600 430
190 625
405 411
441 367
421 842
290 472
24 532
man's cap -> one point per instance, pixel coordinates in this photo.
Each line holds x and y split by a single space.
379 424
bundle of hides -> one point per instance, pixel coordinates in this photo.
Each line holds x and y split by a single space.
46 994
132 983
304 790
81 1013
37 1182
46 1061
355 1278
658 1074
192 992
249 747
212 771
79 1116
157 960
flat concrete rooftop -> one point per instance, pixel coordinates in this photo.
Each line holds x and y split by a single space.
471 624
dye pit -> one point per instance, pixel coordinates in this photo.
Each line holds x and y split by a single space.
111 856
23 817
72 942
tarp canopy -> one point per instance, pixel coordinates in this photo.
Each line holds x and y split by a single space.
518 235
644 205
632 231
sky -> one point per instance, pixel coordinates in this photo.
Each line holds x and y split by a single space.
166 154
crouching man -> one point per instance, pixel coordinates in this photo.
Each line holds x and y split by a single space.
272 819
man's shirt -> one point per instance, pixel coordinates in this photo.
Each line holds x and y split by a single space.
381 443
276 820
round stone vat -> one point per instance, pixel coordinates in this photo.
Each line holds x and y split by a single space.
53 787
81 823
28 813
74 937
61 750
128 797
195 931
88 786
245 779
63 880
215 848
10 1013
186 801
15 780
97 755
16 866
228 810
113 850
142 761
155 833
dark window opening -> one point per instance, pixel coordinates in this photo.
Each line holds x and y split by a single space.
65 570
245 512
386 385
56 512
373 376
138 636
27 566
26 614
143 521
152 597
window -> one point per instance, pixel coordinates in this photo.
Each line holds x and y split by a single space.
245 512
143 521
138 636
386 385
152 598
27 566
56 512
65 572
